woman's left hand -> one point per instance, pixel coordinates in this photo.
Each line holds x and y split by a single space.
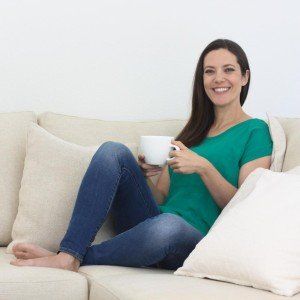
186 161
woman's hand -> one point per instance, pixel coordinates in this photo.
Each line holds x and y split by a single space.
186 161
148 170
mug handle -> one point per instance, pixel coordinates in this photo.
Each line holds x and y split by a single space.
176 148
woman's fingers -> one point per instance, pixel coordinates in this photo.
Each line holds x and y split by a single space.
150 167
152 173
148 170
141 156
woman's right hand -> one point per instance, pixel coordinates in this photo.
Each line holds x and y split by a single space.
148 170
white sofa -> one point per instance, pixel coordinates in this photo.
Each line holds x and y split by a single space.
102 282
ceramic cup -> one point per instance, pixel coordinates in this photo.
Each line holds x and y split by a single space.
156 149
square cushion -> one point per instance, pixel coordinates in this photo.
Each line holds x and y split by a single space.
88 132
279 143
52 176
248 245
12 153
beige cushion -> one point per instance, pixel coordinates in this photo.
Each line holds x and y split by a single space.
87 132
279 143
291 128
112 283
35 283
12 153
247 245
52 175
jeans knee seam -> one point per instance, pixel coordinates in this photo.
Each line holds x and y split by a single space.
110 202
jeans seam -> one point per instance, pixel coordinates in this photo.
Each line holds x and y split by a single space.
139 188
137 184
110 204
113 194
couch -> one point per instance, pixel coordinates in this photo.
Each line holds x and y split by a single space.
102 282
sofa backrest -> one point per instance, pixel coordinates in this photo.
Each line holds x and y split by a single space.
90 132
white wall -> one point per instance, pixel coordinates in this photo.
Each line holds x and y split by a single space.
135 59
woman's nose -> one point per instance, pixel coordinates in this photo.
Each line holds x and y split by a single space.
219 77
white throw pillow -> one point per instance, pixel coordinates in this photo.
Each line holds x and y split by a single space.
255 241
279 143
13 132
52 176
291 128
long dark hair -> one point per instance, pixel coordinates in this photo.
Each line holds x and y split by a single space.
202 114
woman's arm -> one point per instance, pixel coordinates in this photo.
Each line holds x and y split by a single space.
220 189
223 191
161 189
186 161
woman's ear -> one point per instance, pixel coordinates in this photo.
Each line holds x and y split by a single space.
245 78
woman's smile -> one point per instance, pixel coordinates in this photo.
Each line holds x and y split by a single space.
221 91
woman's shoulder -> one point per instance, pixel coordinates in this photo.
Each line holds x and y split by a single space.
259 130
258 123
255 129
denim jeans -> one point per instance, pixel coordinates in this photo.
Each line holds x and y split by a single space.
145 237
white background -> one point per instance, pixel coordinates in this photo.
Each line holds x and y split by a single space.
135 59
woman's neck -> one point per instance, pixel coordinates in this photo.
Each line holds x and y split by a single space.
225 121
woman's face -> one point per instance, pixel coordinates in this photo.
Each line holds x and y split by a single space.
221 70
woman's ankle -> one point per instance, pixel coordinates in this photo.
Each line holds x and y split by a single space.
69 259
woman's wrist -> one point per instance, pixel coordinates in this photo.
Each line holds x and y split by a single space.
203 166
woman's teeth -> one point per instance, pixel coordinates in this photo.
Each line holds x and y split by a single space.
221 90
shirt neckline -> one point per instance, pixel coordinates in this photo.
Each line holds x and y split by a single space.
228 129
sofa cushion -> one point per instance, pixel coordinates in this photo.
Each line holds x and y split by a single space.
279 143
30 283
123 283
248 245
291 128
12 153
52 175
87 132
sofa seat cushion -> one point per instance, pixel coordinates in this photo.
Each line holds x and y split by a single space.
113 282
28 283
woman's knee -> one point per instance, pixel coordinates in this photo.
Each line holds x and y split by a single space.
173 229
111 150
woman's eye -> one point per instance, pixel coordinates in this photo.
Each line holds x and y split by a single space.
229 69
208 71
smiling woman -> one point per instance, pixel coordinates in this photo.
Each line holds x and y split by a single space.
230 143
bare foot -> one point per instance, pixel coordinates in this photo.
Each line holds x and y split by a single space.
27 251
61 261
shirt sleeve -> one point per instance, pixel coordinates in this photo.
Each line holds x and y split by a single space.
259 144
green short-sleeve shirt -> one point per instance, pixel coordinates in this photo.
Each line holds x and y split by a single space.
188 196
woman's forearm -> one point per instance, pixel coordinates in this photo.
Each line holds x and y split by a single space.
159 197
220 189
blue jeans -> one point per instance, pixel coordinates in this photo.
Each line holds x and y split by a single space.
145 237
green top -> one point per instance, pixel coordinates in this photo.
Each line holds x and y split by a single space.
188 196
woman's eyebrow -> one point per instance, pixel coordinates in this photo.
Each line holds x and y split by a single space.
223 66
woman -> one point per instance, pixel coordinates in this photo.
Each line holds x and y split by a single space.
219 147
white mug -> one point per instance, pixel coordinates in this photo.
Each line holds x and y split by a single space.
156 149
